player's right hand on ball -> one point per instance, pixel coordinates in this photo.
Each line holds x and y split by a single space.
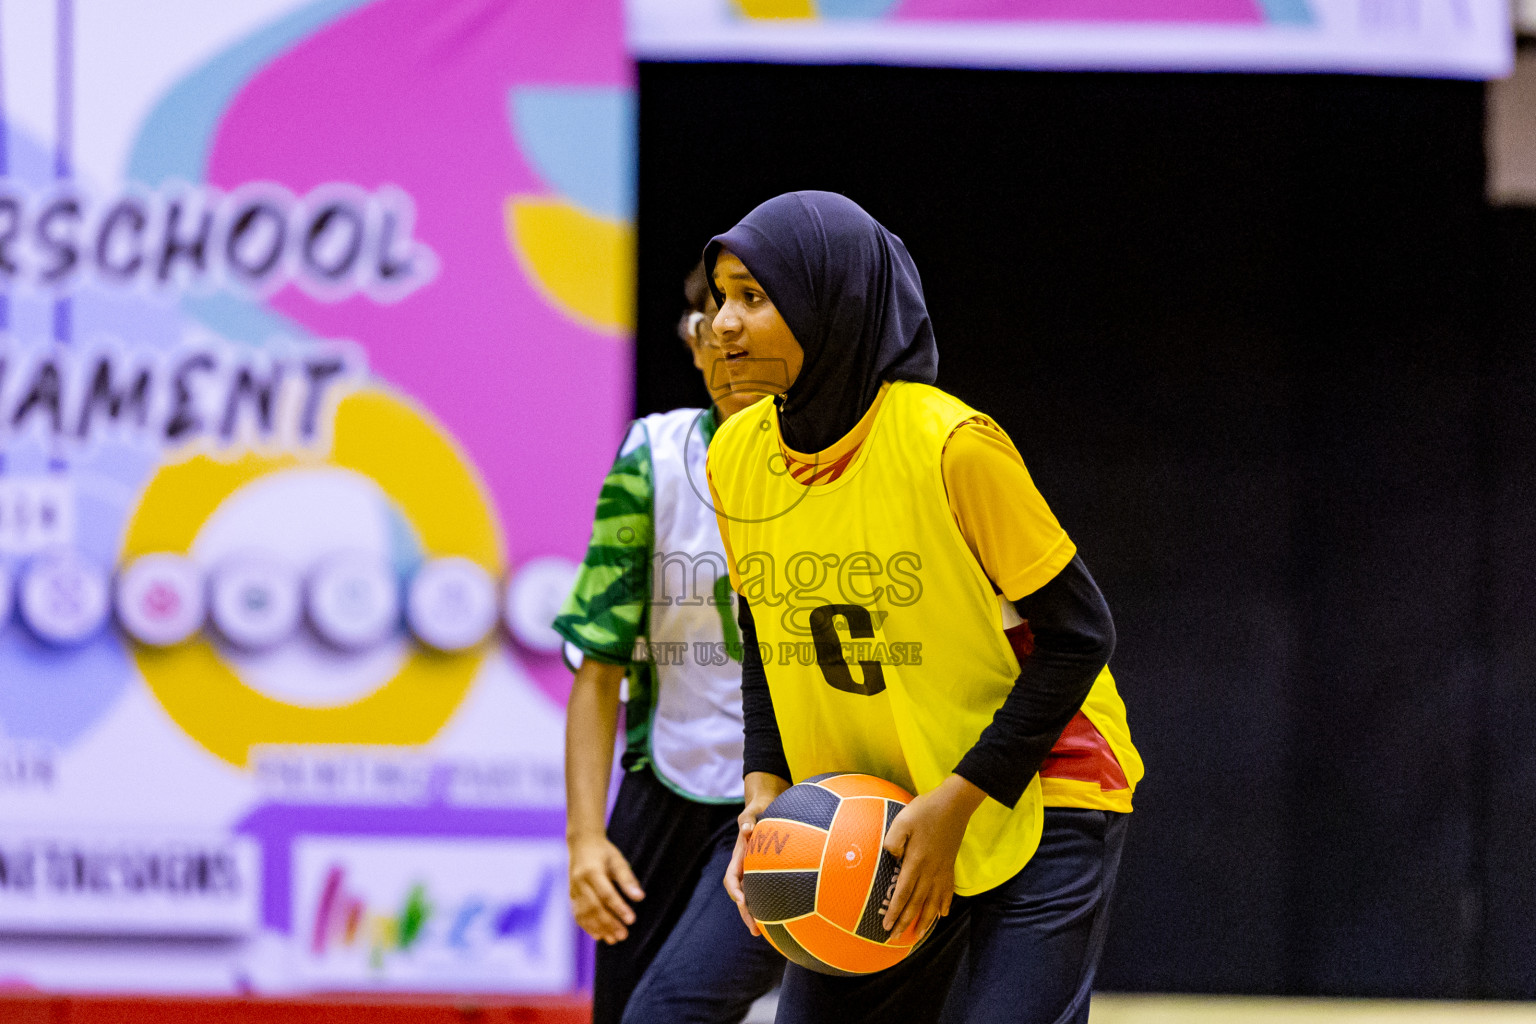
598 872
761 790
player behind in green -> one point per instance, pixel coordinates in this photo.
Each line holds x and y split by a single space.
652 611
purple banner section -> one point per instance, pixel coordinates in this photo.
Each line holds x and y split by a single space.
276 826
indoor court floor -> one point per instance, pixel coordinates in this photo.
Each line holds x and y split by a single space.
1143 1009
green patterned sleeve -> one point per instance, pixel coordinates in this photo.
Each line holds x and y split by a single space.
605 611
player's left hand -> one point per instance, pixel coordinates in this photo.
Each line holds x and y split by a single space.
926 835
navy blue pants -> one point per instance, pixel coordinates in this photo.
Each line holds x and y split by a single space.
1022 953
688 959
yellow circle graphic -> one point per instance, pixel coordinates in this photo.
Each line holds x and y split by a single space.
420 468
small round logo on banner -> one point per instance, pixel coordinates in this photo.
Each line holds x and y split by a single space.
160 599
255 602
451 604
354 601
533 598
64 598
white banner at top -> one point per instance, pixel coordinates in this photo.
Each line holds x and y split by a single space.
1447 38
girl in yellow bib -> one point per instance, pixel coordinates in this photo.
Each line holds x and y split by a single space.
910 608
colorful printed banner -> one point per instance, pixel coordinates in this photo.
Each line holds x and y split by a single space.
314 346
1456 38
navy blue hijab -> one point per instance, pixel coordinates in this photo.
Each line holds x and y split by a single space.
851 296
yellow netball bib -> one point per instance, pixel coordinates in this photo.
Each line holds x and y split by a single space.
882 638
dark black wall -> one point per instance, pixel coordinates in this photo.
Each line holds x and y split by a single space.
1243 331
1509 753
